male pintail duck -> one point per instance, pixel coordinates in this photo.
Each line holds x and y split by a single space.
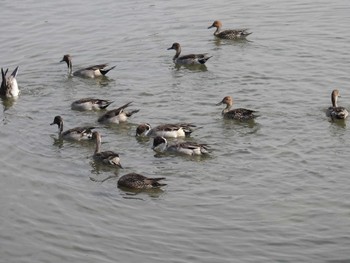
165 130
9 86
335 111
138 181
160 144
230 33
237 114
86 104
192 59
77 134
107 157
117 115
89 72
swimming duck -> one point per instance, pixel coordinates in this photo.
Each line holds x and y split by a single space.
192 59
335 111
107 157
165 130
138 181
86 104
77 134
230 33
9 86
89 72
237 114
160 144
117 115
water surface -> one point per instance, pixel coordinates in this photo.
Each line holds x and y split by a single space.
275 190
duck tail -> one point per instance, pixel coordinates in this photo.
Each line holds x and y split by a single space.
189 128
14 73
106 104
105 71
203 60
155 182
130 113
3 86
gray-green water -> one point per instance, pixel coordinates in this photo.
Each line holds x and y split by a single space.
273 191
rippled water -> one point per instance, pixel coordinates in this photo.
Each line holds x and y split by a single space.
275 190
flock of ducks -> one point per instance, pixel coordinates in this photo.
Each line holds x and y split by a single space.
9 89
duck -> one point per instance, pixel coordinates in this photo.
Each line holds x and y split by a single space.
138 181
87 104
117 115
165 130
192 59
106 157
237 114
76 134
160 145
9 86
335 111
230 33
89 72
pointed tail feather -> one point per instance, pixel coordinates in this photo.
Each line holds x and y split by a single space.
107 104
155 182
203 60
105 71
130 113
14 73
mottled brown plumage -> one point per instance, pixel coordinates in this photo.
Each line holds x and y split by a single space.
138 181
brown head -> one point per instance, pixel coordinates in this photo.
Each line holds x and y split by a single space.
216 24
226 100
335 93
96 136
175 46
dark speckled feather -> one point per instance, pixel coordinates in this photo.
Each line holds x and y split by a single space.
335 111
138 181
229 33
237 114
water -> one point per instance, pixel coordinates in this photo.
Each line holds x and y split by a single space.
272 191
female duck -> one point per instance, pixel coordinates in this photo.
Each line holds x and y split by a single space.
107 157
89 72
138 181
165 130
77 134
160 144
117 115
87 104
237 114
9 86
335 111
192 59
230 33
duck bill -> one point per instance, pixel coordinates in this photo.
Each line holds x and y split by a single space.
210 27
217 104
169 48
